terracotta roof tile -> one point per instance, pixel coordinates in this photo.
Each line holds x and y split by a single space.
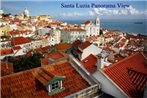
92 38
139 79
54 56
43 49
84 45
6 51
6 68
55 23
19 40
16 47
119 74
15 32
87 22
16 20
72 29
76 44
42 23
63 46
24 83
90 63
44 76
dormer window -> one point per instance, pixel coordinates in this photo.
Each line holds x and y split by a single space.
55 85
51 80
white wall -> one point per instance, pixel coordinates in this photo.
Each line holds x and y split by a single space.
92 49
57 36
107 86
77 35
92 30
19 52
13 27
43 31
3 56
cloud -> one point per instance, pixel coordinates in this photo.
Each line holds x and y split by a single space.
72 14
129 12
91 13
125 11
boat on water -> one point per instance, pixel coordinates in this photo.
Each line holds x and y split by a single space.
138 22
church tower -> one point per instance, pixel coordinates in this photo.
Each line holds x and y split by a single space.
97 21
26 13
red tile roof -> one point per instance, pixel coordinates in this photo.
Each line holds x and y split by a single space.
63 46
76 44
43 49
138 82
54 56
19 40
15 32
6 68
44 75
90 63
6 51
5 19
84 45
18 85
120 74
109 33
55 23
16 20
16 47
87 22
92 38
73 29
24 83
42 23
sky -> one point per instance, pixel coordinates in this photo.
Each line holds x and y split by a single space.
136 9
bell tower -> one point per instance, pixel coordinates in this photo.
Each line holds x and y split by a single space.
26 13
97 21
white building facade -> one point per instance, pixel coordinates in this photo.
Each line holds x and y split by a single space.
92 49
70 35
92 29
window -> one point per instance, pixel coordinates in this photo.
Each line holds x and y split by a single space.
55 85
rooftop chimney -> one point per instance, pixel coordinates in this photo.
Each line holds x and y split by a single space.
100 62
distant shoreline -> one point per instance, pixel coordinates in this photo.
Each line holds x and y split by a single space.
126 26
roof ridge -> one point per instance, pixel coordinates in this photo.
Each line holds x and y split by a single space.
46 71
138 79
129 57
131 69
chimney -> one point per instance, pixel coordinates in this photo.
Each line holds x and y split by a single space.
100 62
